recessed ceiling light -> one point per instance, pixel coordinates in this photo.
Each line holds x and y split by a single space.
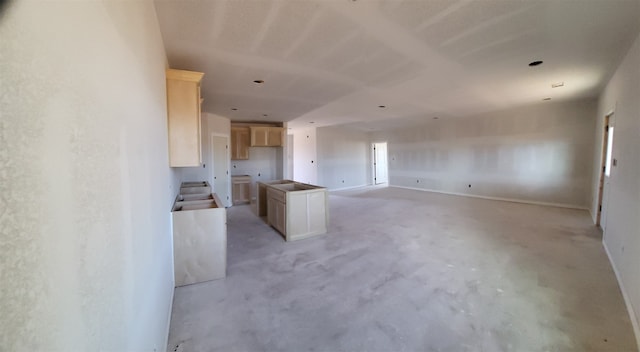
556 85
258 81
535 63
546 99
234 109
381 106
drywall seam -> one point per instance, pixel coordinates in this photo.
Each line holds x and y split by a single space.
627 300
559 205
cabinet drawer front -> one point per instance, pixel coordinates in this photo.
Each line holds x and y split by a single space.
276 194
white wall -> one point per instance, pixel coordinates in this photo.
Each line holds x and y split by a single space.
264 164
622 233
305 167
540 153
86 254
343 157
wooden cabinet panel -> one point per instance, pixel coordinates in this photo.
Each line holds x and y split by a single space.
183 114
266 136
275 136
241 189
240 143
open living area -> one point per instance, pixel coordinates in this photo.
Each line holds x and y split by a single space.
320 175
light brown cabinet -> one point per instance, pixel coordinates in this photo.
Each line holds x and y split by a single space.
183 114
297 210
277 215
240 143
266 136
241 189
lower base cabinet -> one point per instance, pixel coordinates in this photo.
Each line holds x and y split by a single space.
297 210
199 239
241 189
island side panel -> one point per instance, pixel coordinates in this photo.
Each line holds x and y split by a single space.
306 214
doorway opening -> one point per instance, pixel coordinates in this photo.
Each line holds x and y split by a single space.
220 168
607 162
380 167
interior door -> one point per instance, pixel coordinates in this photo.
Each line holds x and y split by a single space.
220 162
608 165
380 163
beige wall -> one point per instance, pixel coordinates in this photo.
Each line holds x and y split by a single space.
343 158
622 232
305 166
540 153
86 251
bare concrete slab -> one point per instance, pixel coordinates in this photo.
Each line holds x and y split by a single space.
401 270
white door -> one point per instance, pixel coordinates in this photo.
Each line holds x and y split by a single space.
608 164
220 162
380 163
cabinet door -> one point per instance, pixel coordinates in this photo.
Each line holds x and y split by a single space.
245 192
259 136
240 143
183 113
271 211
235 192
275 136
281 217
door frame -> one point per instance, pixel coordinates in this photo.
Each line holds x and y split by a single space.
227 162
603 167
374 162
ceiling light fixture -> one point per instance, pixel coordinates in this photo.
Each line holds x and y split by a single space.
381 106
556 85
258 81
535 63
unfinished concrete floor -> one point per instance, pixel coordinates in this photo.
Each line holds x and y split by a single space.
403 270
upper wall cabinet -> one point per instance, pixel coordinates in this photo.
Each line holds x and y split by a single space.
266 136
183 110
239 143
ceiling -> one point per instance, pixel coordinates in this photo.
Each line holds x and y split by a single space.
331 62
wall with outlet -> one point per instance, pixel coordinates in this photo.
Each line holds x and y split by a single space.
343 157
540 153
305 166
263 165
86 254
622 232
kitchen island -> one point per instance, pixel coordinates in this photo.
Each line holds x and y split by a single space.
297 210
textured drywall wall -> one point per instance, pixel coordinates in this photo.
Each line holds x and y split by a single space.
343 157
305 155
261 166
622 232
540 153
86 250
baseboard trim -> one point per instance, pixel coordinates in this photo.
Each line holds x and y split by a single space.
558 205
166 337
348 188
627 301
